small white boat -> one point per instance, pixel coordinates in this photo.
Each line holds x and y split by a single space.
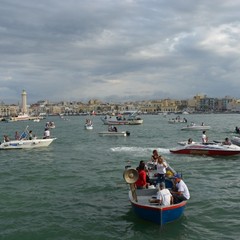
89 126
133 119
117 134
195 127
36 120
26 144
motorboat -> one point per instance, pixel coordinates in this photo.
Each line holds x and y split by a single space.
195 127
121 120
117 134
26 144
88 126
146 210
209 149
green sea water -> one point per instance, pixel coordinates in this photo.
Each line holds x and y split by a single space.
74 188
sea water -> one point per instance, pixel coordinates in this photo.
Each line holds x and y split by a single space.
74 189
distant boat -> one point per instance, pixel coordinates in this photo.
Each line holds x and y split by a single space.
133 119
195 127
107 133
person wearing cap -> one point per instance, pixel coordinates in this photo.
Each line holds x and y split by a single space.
181 192
164 197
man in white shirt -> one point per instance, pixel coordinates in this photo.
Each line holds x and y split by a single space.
181 193
164 197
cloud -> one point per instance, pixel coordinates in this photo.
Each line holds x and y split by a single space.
113 50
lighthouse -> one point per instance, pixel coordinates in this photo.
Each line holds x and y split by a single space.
24 102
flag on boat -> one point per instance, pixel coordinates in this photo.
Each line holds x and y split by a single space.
23 135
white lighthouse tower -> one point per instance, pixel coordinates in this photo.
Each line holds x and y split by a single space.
24 103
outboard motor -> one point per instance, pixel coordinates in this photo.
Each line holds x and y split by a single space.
128 133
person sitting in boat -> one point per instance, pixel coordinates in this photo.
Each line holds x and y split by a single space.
180 191
190 141
226 141
6 138
46 133
204 137
141 183
164 197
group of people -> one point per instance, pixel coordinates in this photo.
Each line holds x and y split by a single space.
112 129
205 139
178 193
27 135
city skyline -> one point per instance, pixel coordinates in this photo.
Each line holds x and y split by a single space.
118 51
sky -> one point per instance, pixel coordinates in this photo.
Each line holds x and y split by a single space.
116 51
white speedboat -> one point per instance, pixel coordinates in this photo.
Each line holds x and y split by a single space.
88 126
195 127
210 149
121 120
117 134
24 144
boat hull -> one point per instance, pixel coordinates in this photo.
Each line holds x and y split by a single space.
195 128
26 144
122 122
209 150
117 134
156 213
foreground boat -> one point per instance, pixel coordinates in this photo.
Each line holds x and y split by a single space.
20 144
210 149
156 213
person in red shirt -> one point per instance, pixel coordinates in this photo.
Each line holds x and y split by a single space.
142 178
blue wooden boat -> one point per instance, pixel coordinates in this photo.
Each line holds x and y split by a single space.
153 212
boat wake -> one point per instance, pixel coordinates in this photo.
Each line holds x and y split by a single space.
139 151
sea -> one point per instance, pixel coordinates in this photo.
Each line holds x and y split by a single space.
74 189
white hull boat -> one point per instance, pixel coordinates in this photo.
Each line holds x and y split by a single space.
120 120
196 128
26 144
117 134
89 126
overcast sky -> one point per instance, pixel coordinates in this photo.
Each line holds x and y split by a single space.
117 50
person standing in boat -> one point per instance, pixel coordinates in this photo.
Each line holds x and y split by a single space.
161 169
30 135
204 137
141 183
46 133
17 136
